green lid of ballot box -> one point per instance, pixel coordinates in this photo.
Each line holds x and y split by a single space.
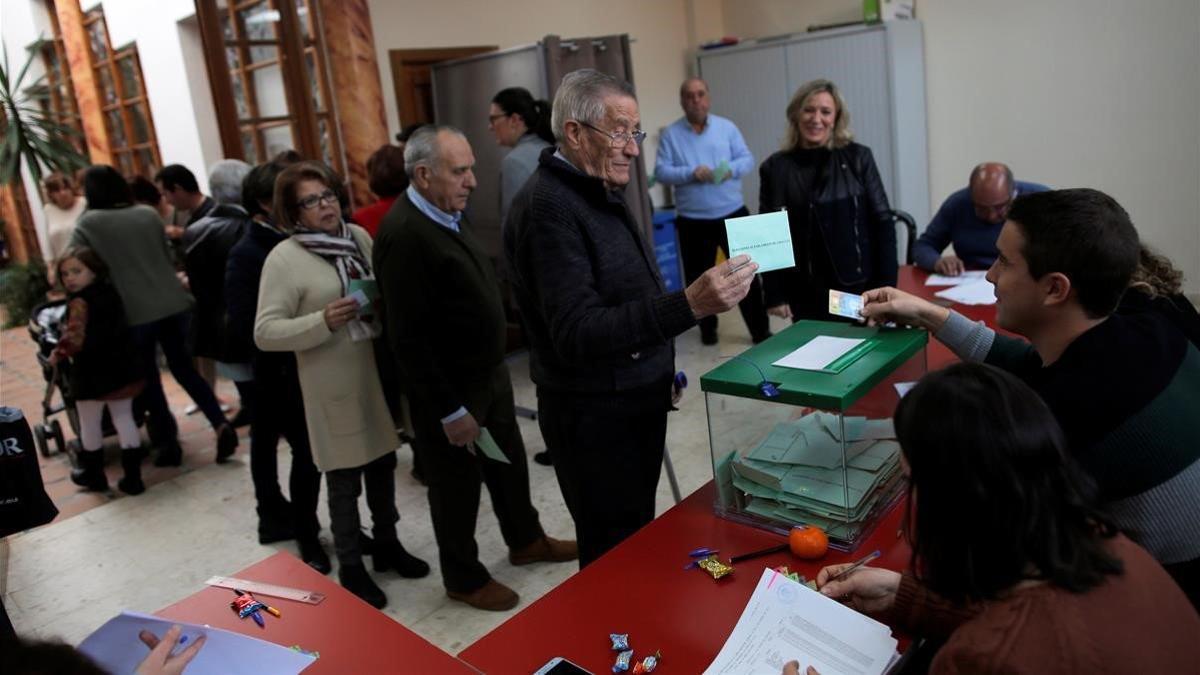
822 452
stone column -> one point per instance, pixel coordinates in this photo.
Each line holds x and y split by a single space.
357 93
87 94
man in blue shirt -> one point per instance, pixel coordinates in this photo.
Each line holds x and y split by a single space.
704 157
971 219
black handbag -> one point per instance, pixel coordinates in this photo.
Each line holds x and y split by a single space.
23 499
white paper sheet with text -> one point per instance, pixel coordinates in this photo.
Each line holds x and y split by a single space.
785 620
818 353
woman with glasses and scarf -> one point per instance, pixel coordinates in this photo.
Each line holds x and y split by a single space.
314 300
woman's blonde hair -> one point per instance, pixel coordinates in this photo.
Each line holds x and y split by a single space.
841 136
1155 275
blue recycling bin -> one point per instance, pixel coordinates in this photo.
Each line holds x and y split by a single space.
666 249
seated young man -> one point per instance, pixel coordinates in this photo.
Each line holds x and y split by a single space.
1124 387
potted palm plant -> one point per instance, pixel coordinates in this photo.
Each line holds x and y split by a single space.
29 133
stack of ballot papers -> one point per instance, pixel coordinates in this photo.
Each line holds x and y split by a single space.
795 472
785 621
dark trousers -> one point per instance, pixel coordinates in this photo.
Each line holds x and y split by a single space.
698 244
170 333
280 413
608 456
455 475
345 485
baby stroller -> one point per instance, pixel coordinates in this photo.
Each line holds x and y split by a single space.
46 326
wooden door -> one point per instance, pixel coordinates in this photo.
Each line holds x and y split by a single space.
412 80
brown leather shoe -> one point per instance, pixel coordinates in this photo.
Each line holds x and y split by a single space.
493 597
546 549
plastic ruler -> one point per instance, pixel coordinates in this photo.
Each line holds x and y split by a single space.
259 588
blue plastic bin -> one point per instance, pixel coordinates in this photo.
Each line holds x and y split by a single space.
666 249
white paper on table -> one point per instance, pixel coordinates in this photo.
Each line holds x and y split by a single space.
786 620
116 648
975 293
903 388
818 353
964 278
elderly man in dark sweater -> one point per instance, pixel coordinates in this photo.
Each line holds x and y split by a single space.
600 322
1125 387
444 321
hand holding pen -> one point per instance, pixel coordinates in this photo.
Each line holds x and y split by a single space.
869 590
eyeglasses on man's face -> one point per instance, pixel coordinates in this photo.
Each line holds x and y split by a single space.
618 139
312 201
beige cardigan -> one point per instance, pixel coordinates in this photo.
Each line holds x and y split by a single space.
348 420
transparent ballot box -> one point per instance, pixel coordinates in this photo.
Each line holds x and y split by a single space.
812 445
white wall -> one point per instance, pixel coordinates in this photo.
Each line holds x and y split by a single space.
1073 93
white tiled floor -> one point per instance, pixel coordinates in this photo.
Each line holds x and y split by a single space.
143 553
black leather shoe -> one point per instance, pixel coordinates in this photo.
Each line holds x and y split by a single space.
227 442
355 579
544 458
314 555
390 555
169 454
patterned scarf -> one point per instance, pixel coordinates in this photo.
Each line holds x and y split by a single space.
341 250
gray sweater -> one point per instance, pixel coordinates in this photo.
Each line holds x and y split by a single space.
132 242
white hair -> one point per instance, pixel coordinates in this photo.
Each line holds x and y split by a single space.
581 96
422 149
225 180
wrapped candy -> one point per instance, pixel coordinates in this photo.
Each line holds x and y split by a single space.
794 576
622 663
715 567
648 664
620 641
245 605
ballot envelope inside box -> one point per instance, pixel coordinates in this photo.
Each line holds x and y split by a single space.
800 427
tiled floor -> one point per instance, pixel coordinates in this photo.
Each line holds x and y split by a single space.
106 553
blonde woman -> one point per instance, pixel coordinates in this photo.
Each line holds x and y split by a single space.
836 205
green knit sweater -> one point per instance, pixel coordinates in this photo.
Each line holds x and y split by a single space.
132 242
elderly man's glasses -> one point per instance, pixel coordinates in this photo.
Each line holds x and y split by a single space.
619 139
312 201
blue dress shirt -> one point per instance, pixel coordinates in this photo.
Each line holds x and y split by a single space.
681 150
955 222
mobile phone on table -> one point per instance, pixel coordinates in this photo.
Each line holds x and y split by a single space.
560 666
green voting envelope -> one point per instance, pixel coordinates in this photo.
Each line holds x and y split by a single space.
487 444
766 238
364 289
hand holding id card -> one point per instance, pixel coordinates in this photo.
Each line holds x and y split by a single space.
845 304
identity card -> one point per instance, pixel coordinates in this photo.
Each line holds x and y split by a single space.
845 304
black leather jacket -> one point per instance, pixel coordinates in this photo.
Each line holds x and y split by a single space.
850 207
206 245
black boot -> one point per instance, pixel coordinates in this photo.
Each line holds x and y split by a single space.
356 580
391 555
169 454
275 521
131 461
227 442
90 473
313 554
